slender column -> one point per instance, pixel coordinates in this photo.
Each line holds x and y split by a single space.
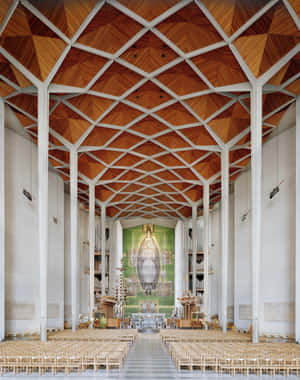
179 261
297 258
92 249
194 245
103 253
2 222
256 174
74 235
43 137
225 231
206 246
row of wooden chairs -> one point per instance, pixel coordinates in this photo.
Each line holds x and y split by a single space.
238 357
120 335
29 356
176 335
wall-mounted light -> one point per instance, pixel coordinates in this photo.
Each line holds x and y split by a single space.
27 195
55 220
244 217
275 190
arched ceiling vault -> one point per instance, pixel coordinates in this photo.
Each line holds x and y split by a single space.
149 92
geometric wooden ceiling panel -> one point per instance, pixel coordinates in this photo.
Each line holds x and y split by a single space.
209 166
102 193
189 29
125 141
148 133
99 136
12 74
24 120
182 79
116 80
170 160
177 115
195 193
4 8
149 95
230 122
107 156
294 87
268 39
232 14
78 68
89 166
31 42
128 160
296 5
149 166
5 89
148 148
274 100
220 67
191 155
199 136
68 123
109 30
149 53
121 115
91 106
288 71
172 141
238 154
26 102
146 9
65 14
206 105
149 126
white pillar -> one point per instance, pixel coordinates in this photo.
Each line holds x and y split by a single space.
256 174
103 253
92 247
194 245
74 235
225 231
43 137
297 258
206 246
2 221
179 261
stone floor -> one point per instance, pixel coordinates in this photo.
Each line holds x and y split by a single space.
148 359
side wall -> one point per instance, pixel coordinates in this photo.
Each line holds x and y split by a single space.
22 256
277 278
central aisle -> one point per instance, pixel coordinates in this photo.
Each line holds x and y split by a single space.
148 359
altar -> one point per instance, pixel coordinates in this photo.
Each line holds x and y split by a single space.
145 321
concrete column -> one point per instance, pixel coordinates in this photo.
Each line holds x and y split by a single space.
179 261
256 177
103 253
74 236
194 245
206 246
297 259
43 141
225 231
2 221
92 247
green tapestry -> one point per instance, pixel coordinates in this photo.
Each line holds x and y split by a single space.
148 262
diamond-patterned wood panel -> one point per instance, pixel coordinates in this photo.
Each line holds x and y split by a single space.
150 92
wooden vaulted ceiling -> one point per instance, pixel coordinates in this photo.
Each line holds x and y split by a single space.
149 91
